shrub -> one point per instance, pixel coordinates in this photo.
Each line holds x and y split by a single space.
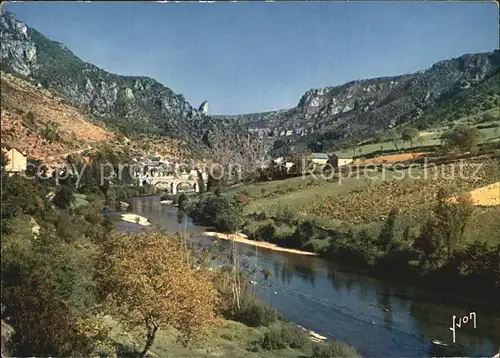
293 335
254 312
333 349
45 286
283 335
50 132
30 118
273 339
167 196
284 215
266 233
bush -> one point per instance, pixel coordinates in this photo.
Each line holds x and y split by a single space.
30 118
333 349
265 233
273 339
45 287
51 132
284 215
283 335
167 196
213 210
255 313
293 335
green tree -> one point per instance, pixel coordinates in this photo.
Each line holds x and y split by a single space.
45 288
3 159
409 134
452 218
386 235
65 192
213 184
20 196
463 137
201 181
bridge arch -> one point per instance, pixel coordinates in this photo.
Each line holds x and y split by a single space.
192 184
173 185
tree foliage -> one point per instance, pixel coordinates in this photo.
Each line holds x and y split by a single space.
145 279
409 134
463 137
45 288
224 213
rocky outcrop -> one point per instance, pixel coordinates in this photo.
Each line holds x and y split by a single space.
7 333
18 50
203 108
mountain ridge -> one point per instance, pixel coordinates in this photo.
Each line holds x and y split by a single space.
141 105
360 107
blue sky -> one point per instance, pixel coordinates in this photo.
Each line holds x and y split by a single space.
256 56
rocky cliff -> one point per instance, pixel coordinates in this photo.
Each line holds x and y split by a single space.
133 105
132 100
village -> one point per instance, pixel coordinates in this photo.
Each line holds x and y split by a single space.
148 170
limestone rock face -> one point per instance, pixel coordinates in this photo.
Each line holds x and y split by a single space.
18 49
140 99
203 109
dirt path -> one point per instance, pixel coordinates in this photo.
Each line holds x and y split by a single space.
488 195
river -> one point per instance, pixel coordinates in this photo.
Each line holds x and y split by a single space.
378 318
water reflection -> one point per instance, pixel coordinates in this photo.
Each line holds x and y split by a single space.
383 295
378 318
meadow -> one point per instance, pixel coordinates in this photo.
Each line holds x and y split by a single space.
365 200
489 131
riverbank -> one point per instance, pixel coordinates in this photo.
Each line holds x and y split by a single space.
136 219
228 339
314 292
267 245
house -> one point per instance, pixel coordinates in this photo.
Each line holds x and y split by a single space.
319 158
278 160
16 161
339 160
290 167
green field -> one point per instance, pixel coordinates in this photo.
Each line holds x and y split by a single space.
364 202
300 195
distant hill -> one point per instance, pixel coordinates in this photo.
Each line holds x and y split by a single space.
356 110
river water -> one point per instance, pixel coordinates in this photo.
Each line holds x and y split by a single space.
380 319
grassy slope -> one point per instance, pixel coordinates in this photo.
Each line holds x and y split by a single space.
368 198
300 197
229 339
431 137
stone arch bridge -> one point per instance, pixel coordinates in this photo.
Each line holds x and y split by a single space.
171 183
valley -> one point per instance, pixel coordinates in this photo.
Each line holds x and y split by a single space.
368 213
